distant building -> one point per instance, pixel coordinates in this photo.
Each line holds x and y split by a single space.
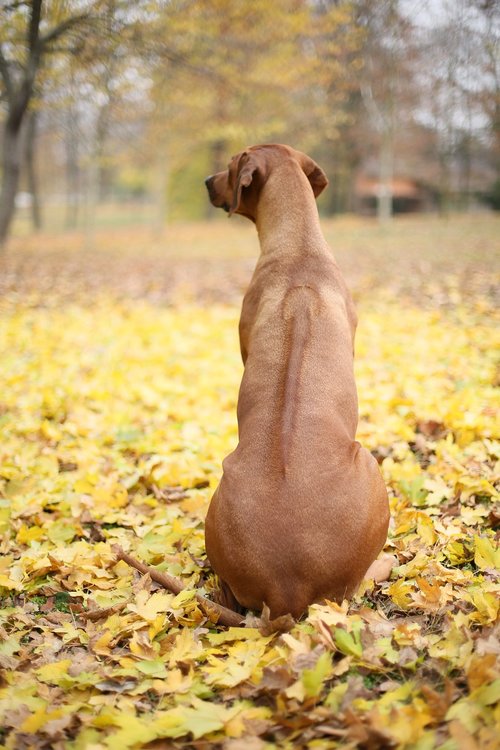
408 195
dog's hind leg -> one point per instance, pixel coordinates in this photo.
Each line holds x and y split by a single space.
226 597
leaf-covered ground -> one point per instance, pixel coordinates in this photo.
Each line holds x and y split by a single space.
114 418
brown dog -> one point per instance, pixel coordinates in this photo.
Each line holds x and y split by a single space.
301 510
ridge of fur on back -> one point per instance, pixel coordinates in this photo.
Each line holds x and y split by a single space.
300 305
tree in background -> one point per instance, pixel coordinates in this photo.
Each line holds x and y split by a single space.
328 99
223 73
458 78
386 84
162 92
228 73
26 37
487 54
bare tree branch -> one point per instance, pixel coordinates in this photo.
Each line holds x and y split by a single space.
61 28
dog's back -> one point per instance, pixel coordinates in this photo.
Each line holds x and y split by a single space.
297 459
301 510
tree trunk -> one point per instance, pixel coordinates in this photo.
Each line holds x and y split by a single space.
73 187
10 177
36 216
161 190
18 82
384 199
91 203
93 177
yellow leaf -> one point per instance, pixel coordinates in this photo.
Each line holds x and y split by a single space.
133 731
407 722
113 496
84 486
400 593
457 552
469 709
401 693
26 535
186 648
204 717
234 634
425 529
101 645
8 583
183 598
149 606
223 674
176 682
431 592
296 691
313 678
49 430
454 646
140 645
486 604
336 696
486 553
38 719
106 718
53 672
481 670
156 626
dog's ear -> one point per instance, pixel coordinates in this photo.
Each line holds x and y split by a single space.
248 165
315 175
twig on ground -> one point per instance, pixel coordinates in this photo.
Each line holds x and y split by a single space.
99 614
213 610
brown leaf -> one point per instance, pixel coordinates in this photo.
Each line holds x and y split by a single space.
407 655
99 614
116 686
66 465
364 735
275 679
55 727
169 494
482 670
282 624
464 738
431 428
438 703
494 517
488 645
245 743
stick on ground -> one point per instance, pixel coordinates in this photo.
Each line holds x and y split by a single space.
223 615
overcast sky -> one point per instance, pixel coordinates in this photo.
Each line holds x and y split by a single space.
427 12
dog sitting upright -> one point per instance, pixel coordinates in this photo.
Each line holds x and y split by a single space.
301 511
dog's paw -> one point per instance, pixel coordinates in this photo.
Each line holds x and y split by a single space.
380 570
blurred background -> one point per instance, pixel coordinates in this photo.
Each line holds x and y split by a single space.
113 112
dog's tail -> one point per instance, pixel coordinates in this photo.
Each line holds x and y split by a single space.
300 306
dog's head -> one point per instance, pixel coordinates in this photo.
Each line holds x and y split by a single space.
238 187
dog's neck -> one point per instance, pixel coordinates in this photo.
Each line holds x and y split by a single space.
287 217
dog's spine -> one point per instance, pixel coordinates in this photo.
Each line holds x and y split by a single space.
300 304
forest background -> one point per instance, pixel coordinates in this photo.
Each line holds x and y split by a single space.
120 292
108 105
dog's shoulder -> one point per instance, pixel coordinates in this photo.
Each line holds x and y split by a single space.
300 298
